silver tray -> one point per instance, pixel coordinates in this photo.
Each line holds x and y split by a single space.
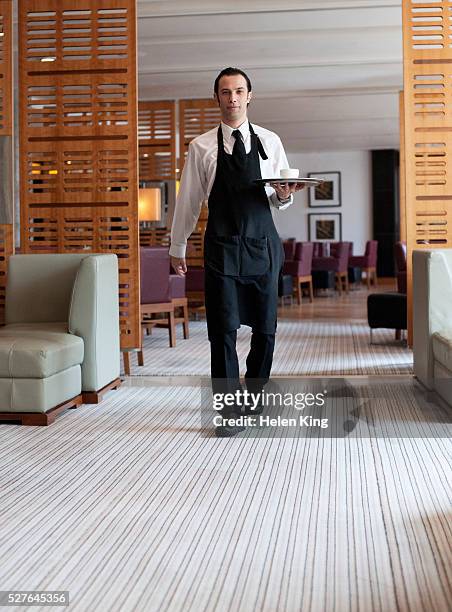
310 182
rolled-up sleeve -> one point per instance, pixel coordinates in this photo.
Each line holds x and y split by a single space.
189 200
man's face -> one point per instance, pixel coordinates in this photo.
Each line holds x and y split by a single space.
233 97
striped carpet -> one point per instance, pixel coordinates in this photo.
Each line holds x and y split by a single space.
131 508
303 348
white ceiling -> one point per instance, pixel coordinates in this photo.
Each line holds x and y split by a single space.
326 73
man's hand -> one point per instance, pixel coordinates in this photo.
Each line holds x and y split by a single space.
179 265
284 190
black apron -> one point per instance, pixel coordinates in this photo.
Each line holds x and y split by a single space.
243 254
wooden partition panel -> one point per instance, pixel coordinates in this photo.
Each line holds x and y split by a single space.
78 136
428 127
6 129
6 249
155 236
195 118
6 114
157 140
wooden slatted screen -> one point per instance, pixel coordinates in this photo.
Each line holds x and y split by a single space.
6 129
157 140
155 236
6 249
428 127
6 115
195 243
78 136
195 118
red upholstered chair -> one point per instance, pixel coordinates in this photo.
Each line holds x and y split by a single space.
155 296
289 249
176 292
338 263
155 292
301 268
320 249
400 260
367 262
335 247
194 287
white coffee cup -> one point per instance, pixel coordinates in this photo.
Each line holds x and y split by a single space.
289 173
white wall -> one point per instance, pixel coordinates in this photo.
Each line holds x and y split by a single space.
356 187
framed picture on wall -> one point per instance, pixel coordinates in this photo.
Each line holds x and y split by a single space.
328 193
325 227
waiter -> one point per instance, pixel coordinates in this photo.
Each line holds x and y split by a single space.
243 255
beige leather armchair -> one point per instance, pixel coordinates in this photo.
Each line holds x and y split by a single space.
60 344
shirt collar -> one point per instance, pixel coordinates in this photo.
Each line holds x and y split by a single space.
244 129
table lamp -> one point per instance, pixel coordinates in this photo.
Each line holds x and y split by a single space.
149 204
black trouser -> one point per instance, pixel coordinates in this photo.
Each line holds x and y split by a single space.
225 363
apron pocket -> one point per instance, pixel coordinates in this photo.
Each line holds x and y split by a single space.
255 260
222 254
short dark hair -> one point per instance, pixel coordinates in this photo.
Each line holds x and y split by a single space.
231 72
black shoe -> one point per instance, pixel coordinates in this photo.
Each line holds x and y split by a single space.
228 431
229 427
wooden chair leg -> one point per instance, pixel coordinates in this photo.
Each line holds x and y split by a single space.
185 324
126 360
298 291
140 358
339 283
347 286
368 277
172 328
375 277
398 334
311 291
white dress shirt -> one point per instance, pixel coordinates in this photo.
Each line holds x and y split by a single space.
199 172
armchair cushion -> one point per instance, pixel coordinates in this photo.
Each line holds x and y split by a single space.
30 351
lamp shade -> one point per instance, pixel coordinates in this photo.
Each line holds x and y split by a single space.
149 204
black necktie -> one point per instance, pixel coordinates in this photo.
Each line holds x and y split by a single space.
238 151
